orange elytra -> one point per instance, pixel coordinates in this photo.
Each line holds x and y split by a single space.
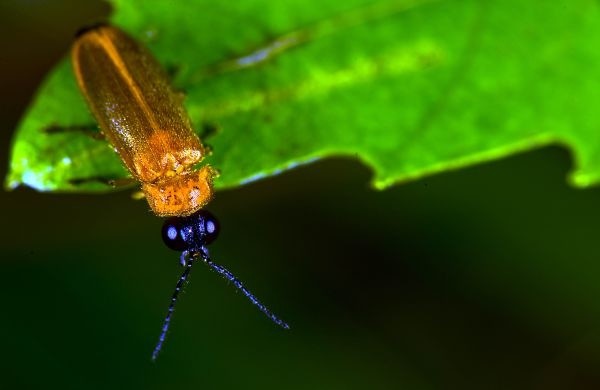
141 115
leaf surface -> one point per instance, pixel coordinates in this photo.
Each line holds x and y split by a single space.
409 87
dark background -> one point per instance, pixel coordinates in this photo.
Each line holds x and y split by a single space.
482 278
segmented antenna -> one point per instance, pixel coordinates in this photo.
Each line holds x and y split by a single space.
187 258
236 282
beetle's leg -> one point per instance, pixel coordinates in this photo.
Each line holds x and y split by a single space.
90 130
172 70
120 182
208 130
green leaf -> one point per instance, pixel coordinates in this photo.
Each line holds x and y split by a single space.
408 87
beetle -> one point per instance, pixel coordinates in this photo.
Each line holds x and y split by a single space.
144 119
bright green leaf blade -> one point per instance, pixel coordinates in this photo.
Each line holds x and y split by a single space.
409 87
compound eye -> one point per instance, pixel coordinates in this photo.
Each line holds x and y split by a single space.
174 234
208 226
211 228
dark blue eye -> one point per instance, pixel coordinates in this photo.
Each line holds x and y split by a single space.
193 232
174 234
208 226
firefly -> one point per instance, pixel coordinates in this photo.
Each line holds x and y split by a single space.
144 119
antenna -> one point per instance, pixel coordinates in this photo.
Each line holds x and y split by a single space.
240 286
188 261
187 258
